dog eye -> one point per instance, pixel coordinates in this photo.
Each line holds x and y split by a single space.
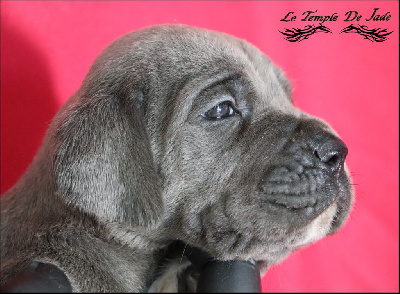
222 110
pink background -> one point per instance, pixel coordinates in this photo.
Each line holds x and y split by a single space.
47 48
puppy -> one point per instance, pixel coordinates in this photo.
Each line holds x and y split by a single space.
176 133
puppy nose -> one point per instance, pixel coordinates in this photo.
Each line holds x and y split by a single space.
330 152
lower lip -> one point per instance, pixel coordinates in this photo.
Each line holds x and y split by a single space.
284 202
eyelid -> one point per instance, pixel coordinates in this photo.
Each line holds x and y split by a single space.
221 99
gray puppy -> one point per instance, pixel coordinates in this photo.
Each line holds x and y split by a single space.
177 133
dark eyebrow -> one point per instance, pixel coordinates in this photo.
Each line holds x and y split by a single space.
212 84
231 76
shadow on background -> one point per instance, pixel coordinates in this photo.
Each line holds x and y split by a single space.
27 103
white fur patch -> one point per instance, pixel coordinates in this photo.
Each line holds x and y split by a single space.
319 227
168 281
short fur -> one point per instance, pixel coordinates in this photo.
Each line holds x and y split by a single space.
129 165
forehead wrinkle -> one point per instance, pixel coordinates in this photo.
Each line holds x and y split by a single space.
188 74
184 100
229 54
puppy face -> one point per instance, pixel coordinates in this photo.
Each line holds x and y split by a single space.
245 173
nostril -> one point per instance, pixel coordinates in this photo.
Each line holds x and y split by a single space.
333 161
331 154
331 158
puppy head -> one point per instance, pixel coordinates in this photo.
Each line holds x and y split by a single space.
204 123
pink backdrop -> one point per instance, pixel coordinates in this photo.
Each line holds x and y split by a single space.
351 82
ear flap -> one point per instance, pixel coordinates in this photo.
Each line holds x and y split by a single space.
104 164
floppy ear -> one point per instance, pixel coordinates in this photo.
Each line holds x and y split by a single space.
103 161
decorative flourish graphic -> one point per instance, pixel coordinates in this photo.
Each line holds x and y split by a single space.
374 35
298 35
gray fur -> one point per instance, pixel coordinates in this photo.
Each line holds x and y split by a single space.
129 164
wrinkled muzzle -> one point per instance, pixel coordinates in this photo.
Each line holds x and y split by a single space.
308 173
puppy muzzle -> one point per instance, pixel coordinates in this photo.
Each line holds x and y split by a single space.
306 173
